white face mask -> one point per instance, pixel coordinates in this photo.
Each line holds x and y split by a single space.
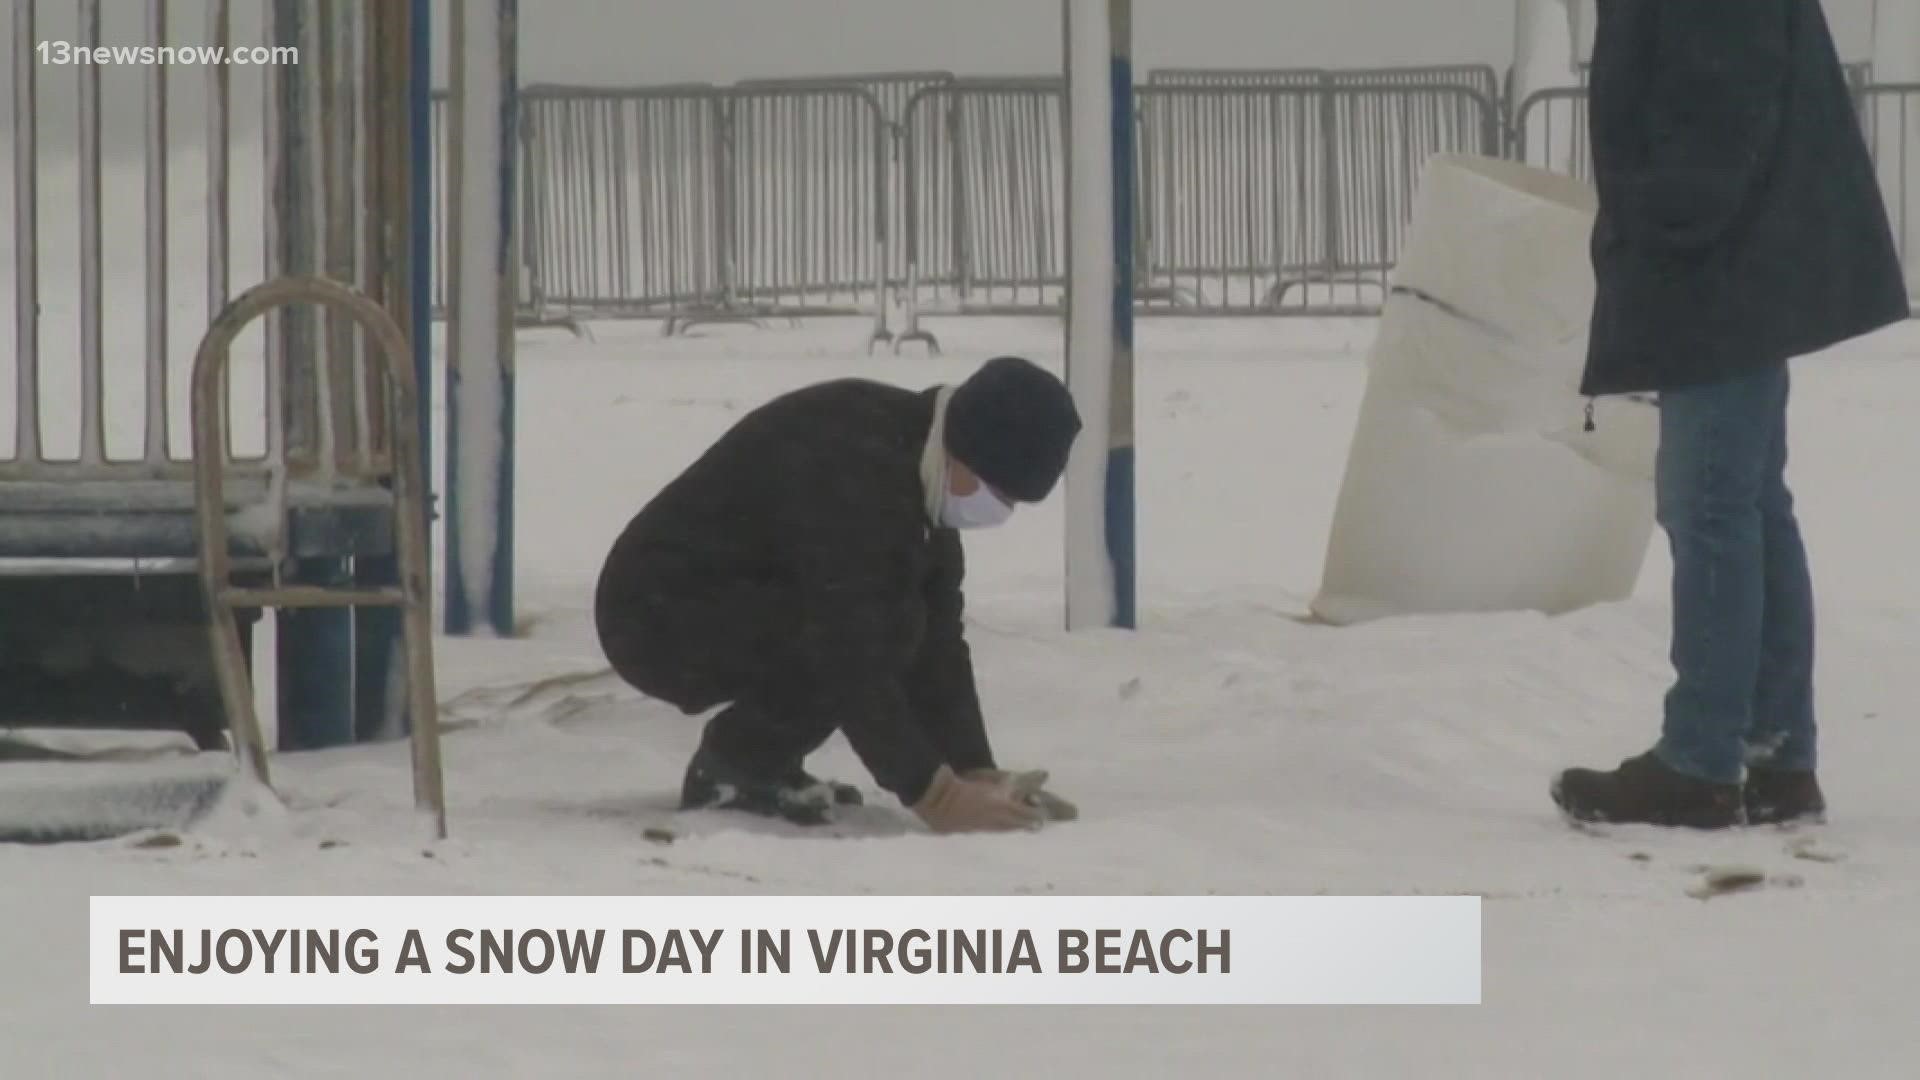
980 510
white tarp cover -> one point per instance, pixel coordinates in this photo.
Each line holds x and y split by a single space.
1471 484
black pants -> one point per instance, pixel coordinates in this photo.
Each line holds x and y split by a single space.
696 642
765 739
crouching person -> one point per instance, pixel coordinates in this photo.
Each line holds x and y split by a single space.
806 572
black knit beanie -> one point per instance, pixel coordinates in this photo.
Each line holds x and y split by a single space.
1013 424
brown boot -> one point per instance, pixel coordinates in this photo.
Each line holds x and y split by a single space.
1644 791
1783 797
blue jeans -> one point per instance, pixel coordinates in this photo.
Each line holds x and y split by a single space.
1742 646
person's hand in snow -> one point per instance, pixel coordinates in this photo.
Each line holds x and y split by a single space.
958 804
1029 788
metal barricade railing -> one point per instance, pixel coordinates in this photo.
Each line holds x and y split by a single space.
1480 78
1890 116
1258 191
1549 131
1291 191
1251 185
986 198
1258 235
895 91
1238 180
695 203
805 177
624 205
1383 135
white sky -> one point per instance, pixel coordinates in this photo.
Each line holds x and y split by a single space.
720 40
657 41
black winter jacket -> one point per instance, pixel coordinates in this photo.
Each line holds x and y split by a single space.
1740 220
797 550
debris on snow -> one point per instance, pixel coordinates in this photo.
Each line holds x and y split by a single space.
1723 880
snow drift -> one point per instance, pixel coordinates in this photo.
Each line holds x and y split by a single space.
1471 482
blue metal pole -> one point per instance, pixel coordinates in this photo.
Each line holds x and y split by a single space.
315 647
500 588
456 606
398 71
420 216
1121 543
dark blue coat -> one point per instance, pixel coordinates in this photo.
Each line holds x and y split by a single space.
1740 221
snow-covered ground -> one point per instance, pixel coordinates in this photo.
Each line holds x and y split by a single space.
1224 747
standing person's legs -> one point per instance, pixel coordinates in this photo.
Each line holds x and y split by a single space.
1781 745
1783 731
1715 447
1711 471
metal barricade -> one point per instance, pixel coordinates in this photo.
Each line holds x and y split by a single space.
622 210
1311 185
1258 190
1549 131
805 201
1291 194
895 91
1482 79
986 198
692 203
847 194
1890 116
1171 124
1238 181
1477 77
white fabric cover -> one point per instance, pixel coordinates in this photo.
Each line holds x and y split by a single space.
1471 485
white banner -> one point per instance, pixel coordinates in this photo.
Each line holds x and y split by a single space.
777 950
